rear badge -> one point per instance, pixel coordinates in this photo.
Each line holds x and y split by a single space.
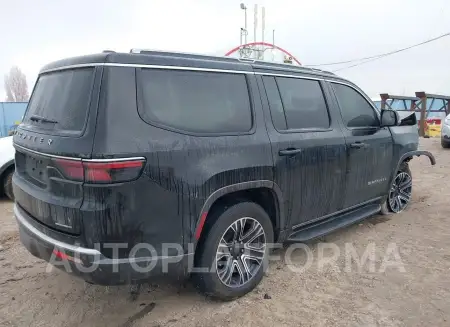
24 136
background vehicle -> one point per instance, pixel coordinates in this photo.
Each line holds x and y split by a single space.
6 166
445 133
218 155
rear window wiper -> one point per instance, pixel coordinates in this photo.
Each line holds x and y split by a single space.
42 119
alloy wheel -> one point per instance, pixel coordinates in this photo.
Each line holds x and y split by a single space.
400 192
241 251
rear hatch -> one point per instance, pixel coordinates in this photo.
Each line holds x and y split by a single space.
57 132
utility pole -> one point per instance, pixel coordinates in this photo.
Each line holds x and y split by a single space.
244 7
263 27
255 27
243 50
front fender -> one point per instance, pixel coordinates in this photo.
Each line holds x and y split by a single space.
417 153
406 157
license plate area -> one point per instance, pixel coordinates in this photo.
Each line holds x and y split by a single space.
36 168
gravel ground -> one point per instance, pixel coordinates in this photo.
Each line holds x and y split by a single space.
405 284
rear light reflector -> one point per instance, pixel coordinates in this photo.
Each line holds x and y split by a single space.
104 171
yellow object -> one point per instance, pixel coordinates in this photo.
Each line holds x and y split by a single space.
433 130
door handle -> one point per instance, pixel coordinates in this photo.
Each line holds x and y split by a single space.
358 145
289 152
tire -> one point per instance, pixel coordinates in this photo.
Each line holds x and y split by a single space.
7 184
221 232
444 144
388 207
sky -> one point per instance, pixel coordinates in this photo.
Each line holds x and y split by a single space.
320 31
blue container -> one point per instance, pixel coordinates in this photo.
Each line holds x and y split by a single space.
11 114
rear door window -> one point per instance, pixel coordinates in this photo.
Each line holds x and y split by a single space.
275 103
304 103
296 103
198 102
60 100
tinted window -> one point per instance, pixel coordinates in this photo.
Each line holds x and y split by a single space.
356 110
275 104
62 97
303 102
196 101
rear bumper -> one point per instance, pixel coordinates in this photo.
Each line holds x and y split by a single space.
91 265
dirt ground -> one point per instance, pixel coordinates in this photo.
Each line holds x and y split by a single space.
414 291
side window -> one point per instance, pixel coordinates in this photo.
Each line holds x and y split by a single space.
276 106
199 102
356 111
304 103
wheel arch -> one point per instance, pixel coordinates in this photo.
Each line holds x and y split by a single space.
406 157
237 191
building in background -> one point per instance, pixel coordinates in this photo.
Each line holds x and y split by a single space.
11 114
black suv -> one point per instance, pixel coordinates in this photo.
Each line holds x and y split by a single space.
153 163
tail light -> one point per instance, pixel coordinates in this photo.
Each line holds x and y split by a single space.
91 171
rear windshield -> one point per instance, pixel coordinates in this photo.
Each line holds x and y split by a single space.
60 100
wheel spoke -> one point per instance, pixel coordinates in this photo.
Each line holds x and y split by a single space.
405 196
238 228
397 203
256 255
406 183
243 271
256 231
226 273
223 250
400 179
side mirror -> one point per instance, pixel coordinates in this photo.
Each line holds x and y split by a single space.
389 118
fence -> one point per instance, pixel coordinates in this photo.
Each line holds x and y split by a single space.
425 105
11 114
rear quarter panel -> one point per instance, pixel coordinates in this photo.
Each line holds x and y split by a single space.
181 170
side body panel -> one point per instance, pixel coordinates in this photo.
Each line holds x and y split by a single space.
181 172
369 167
312 182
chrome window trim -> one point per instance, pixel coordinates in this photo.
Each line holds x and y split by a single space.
62 68
290 76
106 64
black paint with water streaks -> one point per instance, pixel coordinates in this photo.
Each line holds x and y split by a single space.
186 173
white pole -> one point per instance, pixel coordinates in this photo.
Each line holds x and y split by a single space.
245 36
255 27
263 27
